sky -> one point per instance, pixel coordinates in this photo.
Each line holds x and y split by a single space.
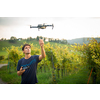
64 27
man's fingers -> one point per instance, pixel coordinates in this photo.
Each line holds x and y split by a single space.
41 43
40 40
23 70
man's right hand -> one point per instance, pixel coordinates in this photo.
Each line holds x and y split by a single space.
21 71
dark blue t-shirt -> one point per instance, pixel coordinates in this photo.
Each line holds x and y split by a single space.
29 76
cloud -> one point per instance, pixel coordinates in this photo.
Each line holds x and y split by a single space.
64 27
12 21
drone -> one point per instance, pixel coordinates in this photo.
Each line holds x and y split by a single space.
41 26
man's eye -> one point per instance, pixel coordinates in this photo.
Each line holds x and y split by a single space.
27 48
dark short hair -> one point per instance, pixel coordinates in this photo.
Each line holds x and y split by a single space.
24 46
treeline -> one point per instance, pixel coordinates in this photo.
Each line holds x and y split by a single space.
45 39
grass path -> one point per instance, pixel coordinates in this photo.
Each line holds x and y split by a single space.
1 65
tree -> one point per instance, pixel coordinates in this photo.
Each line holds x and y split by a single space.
37 38
44 38
29 38
41 37
13 39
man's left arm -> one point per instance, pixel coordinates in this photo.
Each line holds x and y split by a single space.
43 55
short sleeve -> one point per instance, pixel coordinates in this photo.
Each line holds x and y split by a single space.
37 57
18 65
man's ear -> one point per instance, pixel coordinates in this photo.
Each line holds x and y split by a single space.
23 52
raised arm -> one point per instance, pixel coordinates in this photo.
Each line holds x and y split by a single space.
43 55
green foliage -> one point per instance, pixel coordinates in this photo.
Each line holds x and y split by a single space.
13 39
1 58
66 60
81 77
14 54
90 56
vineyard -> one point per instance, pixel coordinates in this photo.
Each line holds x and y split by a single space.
61 61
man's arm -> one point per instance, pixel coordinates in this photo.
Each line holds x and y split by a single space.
20 72
43 55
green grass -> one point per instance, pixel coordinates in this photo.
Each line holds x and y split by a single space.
10 78
3 53
13 78
81 77
44 78
4 62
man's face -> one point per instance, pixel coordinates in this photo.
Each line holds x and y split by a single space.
27 50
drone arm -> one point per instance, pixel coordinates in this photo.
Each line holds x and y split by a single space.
33 27
50 25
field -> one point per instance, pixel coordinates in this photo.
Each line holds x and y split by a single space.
80 77
76 72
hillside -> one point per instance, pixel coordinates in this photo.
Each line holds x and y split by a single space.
6 43
81 40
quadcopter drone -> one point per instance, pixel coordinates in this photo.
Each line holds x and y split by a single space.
41 26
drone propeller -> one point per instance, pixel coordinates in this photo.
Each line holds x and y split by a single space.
52 26
30 26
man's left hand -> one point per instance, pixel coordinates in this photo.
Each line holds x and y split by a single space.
41 43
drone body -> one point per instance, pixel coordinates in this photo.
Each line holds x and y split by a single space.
41 26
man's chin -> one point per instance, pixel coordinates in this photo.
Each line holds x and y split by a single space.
27 53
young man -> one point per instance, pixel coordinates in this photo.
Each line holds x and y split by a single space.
29 75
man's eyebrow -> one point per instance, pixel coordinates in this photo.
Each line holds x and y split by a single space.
27 47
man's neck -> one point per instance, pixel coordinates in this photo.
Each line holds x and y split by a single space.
27 56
